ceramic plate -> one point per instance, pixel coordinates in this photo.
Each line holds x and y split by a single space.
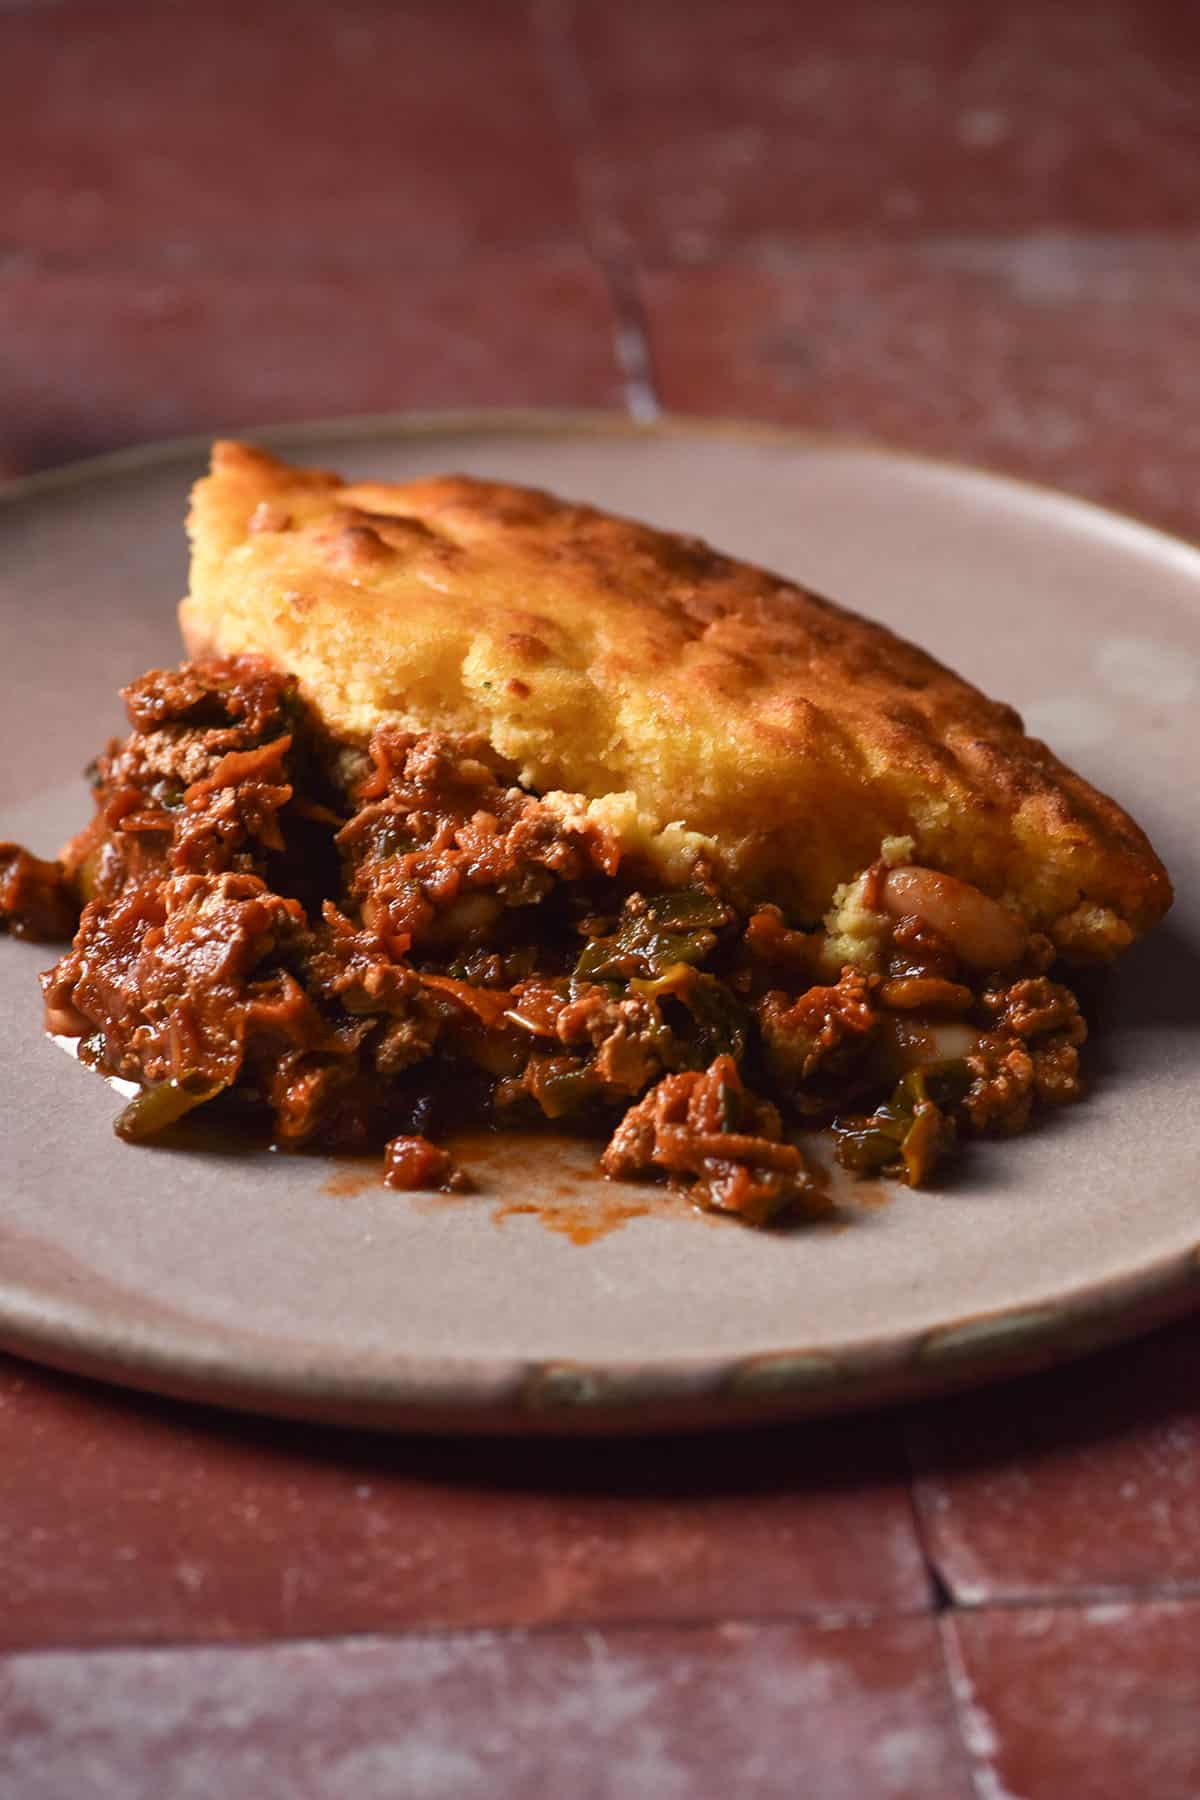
298 1285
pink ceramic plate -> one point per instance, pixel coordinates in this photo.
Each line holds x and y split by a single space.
291 1285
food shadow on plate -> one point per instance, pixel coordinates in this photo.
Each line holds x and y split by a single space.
1154 987
576 1203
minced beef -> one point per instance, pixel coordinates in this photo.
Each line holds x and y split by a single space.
411 1161
37 900
358 943
820 1031
705 1128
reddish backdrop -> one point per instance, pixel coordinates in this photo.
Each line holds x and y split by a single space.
959 228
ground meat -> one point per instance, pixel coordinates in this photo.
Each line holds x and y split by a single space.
353 941
198 787
37 899
313 1098
703 1128
403 1043
626 1036
345 971
1031 1052
413 1162
1056 1074
788 956
169 981
1034 1008
820 1031
243 692
441 846
235 808
1000 1096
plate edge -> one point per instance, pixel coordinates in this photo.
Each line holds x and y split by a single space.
547 422
563 1398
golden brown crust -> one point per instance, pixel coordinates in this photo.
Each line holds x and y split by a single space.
606 659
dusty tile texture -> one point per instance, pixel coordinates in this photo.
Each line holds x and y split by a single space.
760 126
1085 1480
1102 1702
93 360
972 231
852 1714
277 134
127 1520
1066 360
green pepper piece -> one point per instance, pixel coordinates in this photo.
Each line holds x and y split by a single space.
907 1134
157 1107
674 928
559 1092
689 909
721 1022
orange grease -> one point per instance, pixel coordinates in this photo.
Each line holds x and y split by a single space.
346 1183
575 1201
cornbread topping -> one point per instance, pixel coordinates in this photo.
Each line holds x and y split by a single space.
475 806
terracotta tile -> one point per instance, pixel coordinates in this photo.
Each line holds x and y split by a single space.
130 1520
763 124
356 134
1083 1480
1068 361
1102 1702
851 1714
89 361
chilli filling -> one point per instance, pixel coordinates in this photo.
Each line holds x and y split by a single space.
377 947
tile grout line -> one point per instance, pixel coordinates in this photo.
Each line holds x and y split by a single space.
971 1724
941 1589
832 1619
974 1734
634 356
829 1619
951 1601
1082 1599
943 1610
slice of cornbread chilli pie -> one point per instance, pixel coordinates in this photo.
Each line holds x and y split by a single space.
474 804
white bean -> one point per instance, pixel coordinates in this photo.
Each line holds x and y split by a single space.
902 1044
979 930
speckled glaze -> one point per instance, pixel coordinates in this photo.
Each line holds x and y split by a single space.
255 1281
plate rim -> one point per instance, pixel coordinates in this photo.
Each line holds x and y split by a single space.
563 1396
571 1397
545 421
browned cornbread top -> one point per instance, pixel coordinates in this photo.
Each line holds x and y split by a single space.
665 684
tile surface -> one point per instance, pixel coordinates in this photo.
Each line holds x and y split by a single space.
127 1520
851 1714
759 127
1102 1702
274 134
965 230
1084 1480
92 360
1067 360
